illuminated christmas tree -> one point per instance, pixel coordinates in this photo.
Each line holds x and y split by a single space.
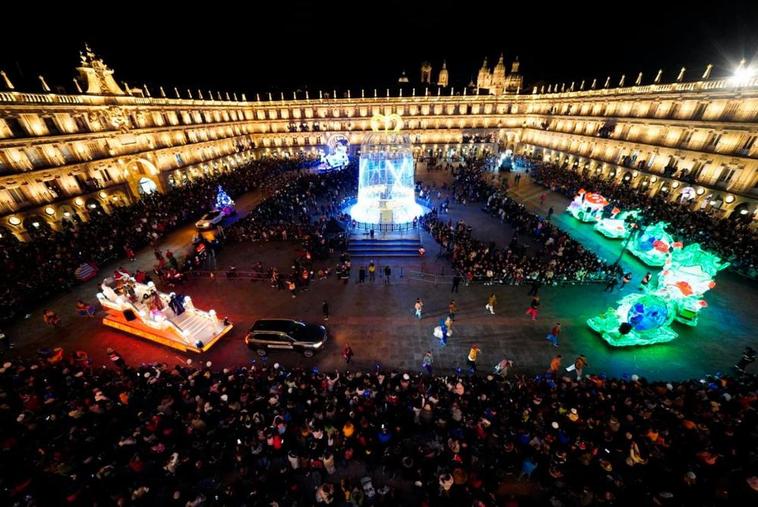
224 203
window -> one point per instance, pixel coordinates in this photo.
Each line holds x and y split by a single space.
52 127
34 157
745 150
54 187
726 175
68 156
697 169
105 175
18 195
699 110
81 125
15 127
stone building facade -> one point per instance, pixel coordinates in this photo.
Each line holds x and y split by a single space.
69 156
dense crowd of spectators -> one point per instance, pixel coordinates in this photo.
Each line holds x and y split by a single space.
33 270
260 435
298 209
556 258
306 210
731 237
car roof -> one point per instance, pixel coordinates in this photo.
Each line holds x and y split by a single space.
281 325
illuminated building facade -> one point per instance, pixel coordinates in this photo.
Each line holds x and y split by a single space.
65 156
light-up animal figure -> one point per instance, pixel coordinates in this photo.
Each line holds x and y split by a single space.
617 225
639 319
686 276
587 206
653 245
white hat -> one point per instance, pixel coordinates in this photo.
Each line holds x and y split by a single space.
635 377
208 364
406 376
554 424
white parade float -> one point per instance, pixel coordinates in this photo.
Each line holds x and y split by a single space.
141 310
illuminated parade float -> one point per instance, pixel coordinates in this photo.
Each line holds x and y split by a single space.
617 226
653 245
644 319
687 275
386 183
587 206
169 319
639 319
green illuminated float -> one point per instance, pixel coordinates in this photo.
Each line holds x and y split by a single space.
687 275
618 226
653 245
639 319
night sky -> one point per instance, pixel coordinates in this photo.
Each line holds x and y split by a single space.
299 45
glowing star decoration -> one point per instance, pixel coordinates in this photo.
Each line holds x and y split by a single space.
653 245
616 226
687 275
639 319
587 206
224 203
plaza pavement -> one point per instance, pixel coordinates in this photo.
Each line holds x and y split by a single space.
378 322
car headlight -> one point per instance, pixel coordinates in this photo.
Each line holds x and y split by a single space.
317 345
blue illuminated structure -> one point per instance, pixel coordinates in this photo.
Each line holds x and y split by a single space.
386 176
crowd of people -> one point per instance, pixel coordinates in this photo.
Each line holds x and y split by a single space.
554 257
36 269
306 210
154 434
731 237
299 209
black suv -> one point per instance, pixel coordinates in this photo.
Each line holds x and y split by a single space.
287 335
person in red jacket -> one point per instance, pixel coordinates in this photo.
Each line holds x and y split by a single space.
552 337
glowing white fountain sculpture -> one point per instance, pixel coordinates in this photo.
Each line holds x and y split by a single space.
386 175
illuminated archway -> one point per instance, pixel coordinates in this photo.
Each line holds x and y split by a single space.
146 186
744 211
67 214
140 169
94 207
119 199
36 226
7 237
